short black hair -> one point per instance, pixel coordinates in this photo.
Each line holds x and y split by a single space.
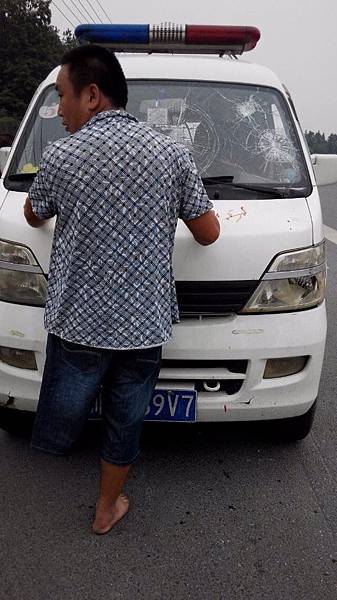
95 64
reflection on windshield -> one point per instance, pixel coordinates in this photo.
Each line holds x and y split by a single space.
43 128
241 132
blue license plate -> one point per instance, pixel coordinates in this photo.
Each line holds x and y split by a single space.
172 405
165 405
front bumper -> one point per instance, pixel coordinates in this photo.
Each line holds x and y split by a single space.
251 338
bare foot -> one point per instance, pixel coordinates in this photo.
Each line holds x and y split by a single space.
108 517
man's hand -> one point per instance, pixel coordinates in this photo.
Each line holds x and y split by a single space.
205 229
30 217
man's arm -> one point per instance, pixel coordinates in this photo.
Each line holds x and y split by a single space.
205 229
31 217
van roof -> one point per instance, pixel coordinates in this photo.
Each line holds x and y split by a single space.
193 67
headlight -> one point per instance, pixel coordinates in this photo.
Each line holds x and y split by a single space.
16 253
294 281
21 279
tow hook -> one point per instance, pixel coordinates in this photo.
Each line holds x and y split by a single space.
211 386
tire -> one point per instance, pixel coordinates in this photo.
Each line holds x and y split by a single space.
294 429
16 422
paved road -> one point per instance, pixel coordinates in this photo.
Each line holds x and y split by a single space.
216 513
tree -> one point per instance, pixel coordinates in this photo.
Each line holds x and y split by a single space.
29 48
68 40
318 143
332 143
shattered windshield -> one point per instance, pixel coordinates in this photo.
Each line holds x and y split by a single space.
242 137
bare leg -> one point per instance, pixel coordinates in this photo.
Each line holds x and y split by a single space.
111 505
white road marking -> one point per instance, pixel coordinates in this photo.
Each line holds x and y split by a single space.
330 234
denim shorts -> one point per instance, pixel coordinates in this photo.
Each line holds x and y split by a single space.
74 376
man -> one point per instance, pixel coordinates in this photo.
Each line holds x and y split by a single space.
117 189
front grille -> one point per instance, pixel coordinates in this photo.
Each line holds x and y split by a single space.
211 298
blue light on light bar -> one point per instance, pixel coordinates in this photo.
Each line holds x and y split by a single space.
118 34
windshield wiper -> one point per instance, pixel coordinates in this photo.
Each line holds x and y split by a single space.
217 180
276 191
279 192
21 177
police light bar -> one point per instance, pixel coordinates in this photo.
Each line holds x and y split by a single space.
168 37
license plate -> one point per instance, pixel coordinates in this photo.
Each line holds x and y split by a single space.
165 405
172 405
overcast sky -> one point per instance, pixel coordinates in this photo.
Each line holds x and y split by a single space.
298 39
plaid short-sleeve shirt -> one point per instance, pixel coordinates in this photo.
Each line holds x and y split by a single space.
117 188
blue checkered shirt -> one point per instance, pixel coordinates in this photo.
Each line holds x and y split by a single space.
117 188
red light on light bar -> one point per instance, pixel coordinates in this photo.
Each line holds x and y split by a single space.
246 37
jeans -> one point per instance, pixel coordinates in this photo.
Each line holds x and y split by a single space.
74 376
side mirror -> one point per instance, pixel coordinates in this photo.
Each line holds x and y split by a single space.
325 168
4 153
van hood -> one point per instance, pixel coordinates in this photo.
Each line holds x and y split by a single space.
252 233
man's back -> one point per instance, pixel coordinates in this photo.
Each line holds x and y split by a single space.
118 189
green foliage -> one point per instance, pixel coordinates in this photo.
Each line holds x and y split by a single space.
68 40
319 144
7 124
29 48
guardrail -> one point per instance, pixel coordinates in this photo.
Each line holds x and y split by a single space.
325 168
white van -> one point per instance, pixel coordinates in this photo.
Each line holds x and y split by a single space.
251 338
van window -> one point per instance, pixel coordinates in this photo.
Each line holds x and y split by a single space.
243 134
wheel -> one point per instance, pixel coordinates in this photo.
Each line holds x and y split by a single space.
16 422
294 429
